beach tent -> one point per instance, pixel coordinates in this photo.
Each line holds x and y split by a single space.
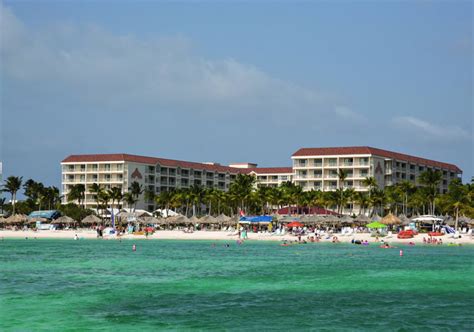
375 225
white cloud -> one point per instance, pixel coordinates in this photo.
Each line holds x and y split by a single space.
88 65
446 132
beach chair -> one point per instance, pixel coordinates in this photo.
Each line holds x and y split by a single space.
389 235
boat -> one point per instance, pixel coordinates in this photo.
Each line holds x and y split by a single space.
435 234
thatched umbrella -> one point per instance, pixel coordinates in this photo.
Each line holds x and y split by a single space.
362 219
222 218
64 220
404 219
207 220
16 219
177 220
390 219
91 219
194 220
464 220
149 220
376 218
346 220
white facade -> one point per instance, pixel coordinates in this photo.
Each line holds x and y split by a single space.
320 172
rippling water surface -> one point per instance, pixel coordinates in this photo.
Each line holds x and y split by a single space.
176 285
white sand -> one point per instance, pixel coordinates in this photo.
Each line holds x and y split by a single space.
214 235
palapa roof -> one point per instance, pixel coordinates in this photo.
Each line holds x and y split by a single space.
362 218
390 219
194 220
346 219
16 218
376 218
222 218
64 220
91 219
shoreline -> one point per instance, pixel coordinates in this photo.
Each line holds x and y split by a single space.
217 235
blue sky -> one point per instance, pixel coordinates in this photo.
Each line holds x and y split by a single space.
243 81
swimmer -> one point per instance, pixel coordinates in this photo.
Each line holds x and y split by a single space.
134 248
76 237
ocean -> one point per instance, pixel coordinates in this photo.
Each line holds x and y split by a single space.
59 285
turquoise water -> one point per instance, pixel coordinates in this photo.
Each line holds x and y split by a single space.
184 285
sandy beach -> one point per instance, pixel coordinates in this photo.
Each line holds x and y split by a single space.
217 235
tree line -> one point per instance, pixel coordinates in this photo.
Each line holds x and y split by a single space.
243 195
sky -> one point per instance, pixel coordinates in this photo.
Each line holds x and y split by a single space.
248 81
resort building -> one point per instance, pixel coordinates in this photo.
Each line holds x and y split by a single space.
272 176
154 174
313 168
317 168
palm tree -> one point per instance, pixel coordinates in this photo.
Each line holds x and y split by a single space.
405 187
2 204
115 195
457 198
34 190
136 190
12 185
242 186
431 180
96 189
362 199
371 183
77 193
104 197
196 194
342 175
129 199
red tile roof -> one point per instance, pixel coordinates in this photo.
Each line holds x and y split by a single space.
271 170
151 161
373 151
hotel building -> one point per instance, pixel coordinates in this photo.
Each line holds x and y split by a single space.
317 168
154 174
313 168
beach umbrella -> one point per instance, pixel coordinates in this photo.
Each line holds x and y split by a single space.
376 218
390 219
149 220
194 220
64 220
35 220
405 221
16 219
295 224
362 218
346 220
91 219
208 220
376 224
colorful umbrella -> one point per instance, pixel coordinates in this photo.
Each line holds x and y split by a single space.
376 225
295 224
